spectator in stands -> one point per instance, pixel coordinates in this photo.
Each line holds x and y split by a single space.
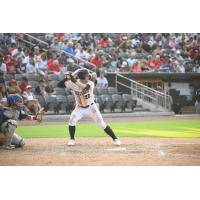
20 67
13 87
10 64
55 44
3 69
54 68
63 59
102 81
180 67
12 48
69 49
104 42
30 67
30 101
97 61
41 88
124 67
41 64
26 55
136 67
71 65
23 84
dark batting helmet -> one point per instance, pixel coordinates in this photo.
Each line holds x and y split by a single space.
82 73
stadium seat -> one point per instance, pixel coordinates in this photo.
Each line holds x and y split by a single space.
32 77
53 77
129 103
98 100
34 84
61 104
71 102
112 90
107 103
54 83
60 91
95 91
102 91
117 103
67 91
18 77
51 104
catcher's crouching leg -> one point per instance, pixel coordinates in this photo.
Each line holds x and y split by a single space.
18 141
8 129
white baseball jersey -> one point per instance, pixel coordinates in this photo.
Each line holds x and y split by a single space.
83 97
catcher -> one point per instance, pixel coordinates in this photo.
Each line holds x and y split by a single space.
82 88
9 114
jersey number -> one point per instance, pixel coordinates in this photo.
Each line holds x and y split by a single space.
87 96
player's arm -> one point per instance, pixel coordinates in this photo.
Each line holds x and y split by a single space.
83 86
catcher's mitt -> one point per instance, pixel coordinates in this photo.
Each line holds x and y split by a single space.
39 116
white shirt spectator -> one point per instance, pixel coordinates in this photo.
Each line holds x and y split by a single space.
26 60
30 69
3 68
181 68
198 69
102 82
41 65
28 96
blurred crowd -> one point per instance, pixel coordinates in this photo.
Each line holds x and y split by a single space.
58 53
105 52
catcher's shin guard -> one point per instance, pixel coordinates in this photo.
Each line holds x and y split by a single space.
72 130
110 132
17 140
8 128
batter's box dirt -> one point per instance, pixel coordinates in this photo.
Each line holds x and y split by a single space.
184 149
101 151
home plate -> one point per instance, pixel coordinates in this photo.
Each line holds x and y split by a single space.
117 149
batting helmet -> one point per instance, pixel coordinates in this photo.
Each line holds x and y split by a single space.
82 74
13 99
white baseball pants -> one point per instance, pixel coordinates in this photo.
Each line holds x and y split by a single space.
92 111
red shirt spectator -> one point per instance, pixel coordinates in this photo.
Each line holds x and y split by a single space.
97 61
12 48
10 64
23 84
60 36
53 66
104 42
136 68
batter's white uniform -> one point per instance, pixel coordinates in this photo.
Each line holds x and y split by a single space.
84 98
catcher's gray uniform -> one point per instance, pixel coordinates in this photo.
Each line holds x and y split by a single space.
8 125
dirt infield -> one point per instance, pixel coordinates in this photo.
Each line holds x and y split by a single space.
101 151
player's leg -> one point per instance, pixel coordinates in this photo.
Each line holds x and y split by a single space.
97 117
75 116
8 129
17 140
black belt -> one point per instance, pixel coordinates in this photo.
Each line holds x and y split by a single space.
86 106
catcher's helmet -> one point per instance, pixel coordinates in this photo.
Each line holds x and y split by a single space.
13 99
82 74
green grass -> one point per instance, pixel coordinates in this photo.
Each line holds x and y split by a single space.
169 128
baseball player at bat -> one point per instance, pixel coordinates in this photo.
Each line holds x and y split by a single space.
82 87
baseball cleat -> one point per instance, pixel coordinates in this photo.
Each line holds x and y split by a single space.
117 142
71 142
7 147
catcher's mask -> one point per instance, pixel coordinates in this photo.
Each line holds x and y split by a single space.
15 100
